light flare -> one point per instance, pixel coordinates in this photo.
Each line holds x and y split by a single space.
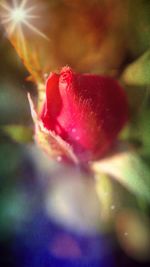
16 15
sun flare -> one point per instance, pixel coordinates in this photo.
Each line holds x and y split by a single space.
18 15
15 15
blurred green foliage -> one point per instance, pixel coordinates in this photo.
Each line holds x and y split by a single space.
137 73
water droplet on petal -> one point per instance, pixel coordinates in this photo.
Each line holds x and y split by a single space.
74 130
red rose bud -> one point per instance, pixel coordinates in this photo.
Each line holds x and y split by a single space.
86 110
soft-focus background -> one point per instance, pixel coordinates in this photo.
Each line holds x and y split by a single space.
50 214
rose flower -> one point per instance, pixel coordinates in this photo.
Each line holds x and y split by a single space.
86 110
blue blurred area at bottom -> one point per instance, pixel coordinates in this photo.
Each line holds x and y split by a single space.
42 243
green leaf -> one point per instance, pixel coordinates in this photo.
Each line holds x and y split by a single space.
129 170
19 133
138 73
